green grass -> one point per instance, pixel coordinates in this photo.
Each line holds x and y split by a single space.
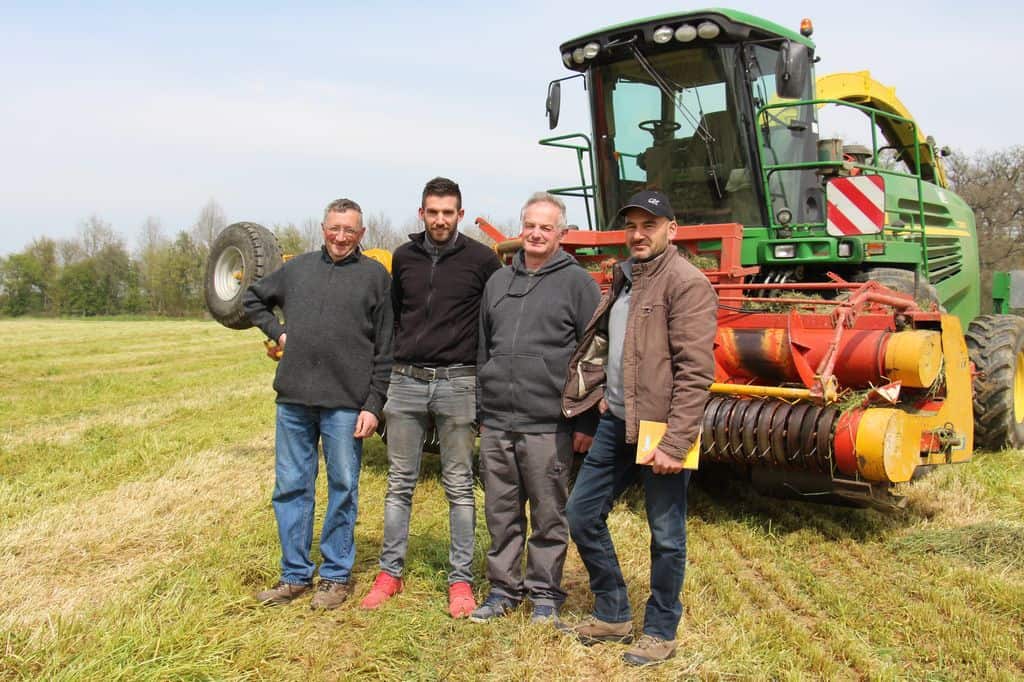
136 464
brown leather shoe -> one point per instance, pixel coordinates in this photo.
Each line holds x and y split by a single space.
330 594
281 593
592 631
649 650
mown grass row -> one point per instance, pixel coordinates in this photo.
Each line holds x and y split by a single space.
136 463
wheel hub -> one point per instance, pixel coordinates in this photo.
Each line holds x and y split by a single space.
225 273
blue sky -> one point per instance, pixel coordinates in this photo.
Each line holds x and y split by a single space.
134 110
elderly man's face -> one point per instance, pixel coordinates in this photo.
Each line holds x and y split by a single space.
342 232
647 235
541 235
440 216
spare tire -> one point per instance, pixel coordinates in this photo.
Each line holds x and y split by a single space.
240 255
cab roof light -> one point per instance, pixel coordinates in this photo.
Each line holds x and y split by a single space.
806 27
662 34
708 30
686 33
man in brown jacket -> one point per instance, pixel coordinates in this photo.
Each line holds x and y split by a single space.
647 354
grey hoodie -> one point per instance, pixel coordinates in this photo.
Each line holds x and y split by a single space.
530 323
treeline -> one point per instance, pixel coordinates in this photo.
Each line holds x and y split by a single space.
95 273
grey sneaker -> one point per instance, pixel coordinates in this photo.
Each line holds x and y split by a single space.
544 613
592 631
330 594
281 593
649 650
495 606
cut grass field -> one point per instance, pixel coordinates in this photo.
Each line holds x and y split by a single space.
136 465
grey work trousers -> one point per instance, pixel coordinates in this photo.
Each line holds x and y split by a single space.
517 468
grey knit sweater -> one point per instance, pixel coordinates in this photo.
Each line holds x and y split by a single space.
339 322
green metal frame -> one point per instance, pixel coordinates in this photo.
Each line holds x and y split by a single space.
767 170
1001 293
584 190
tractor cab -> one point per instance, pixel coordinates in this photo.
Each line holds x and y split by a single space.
674 103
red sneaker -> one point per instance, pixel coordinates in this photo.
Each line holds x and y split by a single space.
384 587
460 600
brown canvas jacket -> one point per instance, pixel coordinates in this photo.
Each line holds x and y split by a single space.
667 356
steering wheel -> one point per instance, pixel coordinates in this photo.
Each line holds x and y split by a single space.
659 129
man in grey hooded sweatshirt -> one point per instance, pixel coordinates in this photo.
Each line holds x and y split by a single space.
532 315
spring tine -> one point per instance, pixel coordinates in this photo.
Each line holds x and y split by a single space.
778 434
764 423
736 430
708 437
749 434
722 425
826 436
794 447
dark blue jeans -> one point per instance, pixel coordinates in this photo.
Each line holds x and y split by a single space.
298 430
607 471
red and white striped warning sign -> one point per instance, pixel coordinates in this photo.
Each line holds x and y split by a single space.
855 205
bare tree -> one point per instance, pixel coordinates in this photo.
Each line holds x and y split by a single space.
151 255
97 234
209 224
992 183
70 251
312 236
379 232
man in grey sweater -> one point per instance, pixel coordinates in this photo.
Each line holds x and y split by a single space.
532 314
330 385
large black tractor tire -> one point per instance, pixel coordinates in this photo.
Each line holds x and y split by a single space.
902 281
241 254
995 344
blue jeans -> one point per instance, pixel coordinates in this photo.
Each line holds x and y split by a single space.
452 404
607 471
298 430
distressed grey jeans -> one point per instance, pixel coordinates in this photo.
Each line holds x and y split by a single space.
517 468
410 404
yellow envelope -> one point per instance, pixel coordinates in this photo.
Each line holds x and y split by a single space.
649 437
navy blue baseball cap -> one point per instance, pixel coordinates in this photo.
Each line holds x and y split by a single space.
651 201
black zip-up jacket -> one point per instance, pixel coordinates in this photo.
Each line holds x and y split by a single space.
339 324
437 306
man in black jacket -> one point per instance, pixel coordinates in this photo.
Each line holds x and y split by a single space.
438 278
532 315
330 385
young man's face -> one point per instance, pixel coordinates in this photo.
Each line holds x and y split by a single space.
440 216
342 232
647 235
541 235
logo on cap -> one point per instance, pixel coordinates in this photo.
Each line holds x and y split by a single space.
653 201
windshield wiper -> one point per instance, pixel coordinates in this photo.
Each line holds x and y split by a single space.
669 88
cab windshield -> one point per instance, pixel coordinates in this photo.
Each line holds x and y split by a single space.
682 122
679 130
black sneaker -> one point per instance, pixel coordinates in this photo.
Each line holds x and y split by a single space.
495 606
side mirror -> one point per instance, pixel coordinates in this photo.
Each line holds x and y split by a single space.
553 103
792 70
